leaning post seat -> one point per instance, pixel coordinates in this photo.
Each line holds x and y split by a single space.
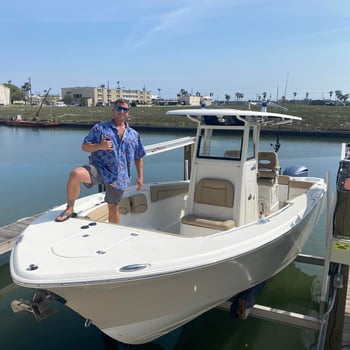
268 168
210 198
268 171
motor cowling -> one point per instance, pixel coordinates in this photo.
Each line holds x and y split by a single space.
296 170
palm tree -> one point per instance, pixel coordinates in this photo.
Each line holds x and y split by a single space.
345 97
306 96
183 92
330 94
26 87
103 100
227 98
338 94
239 95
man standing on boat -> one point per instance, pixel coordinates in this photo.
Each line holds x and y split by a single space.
114 146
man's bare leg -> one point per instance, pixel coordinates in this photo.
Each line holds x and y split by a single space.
113 213
76 177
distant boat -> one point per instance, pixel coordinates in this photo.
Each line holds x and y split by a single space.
32 123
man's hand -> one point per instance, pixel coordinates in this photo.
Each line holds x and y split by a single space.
106 144
139 183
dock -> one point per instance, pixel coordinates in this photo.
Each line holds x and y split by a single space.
10 232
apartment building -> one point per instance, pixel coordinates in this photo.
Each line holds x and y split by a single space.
102 96
4 95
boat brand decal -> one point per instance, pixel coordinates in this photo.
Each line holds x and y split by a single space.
341 246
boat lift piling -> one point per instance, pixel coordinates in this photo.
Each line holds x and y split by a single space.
339 251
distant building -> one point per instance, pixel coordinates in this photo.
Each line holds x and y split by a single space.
206 100
4 95
102 96
195 100
164 101
190 100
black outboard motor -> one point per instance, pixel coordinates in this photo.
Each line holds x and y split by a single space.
296 170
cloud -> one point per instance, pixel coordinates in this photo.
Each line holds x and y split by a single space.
182 18
164 22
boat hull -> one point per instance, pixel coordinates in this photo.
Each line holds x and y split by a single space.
32 124
141 310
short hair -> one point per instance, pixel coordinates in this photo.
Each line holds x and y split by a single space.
121 101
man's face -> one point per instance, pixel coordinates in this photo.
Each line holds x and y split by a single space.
121 111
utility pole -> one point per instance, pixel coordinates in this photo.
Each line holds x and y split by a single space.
30 91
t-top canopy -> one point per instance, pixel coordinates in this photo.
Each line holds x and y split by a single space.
234 116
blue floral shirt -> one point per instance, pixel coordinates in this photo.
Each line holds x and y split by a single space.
114 166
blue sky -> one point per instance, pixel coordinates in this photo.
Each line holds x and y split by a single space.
207 46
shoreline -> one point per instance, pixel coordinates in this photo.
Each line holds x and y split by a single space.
285 132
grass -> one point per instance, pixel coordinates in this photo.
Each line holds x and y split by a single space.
315 118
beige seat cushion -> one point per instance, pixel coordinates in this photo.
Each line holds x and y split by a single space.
164 191
138 203
124 206
220 225
99 214
231 153
216 192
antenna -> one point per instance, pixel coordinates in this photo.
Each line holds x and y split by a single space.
277 145
285 89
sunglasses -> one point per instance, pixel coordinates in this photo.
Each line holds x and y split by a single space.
121 109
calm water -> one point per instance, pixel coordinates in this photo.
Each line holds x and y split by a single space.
34 168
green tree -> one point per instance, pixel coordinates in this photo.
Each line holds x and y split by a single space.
227 98
182 93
